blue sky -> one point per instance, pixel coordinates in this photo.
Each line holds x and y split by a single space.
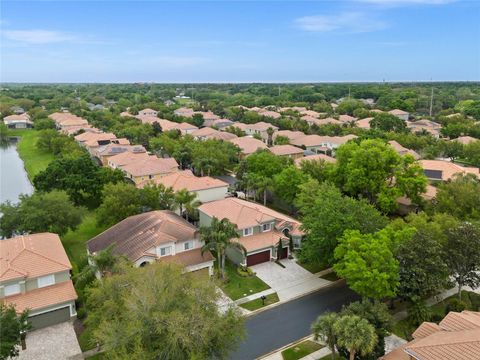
239 41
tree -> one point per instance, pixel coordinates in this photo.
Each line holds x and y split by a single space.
388 122
326 214
355 334
459 197
323 328
270 132
186 201
452 149
197 119
462 255
101 263
43 124
367 263
281 140
373 170
472 152
40 212
286 184
137 315
219 237
12 330
157 128
320 170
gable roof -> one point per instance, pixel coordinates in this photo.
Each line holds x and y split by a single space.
447 168
401 150
127 157
248 145
465 140
136 235
31 256
291 135
150 165
280 150
210 133
186 180
316 157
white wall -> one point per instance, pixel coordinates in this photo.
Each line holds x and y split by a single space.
212 194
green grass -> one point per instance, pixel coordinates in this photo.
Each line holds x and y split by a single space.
237 286
98 356
300 350
258 303
313 267
85 340
330 276
34 160
329 357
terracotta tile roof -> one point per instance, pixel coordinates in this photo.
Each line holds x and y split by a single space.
248 145
219 123
115 149
346 118
94 136
309 113
190 257
397 112
43 297
364 123
183 111
186 180
269 113
316 157
136 235
147 110
308 140
70 130
261 240
125 158
31 256
401 150
285 150
21 117
326 121
426 329
151 165
259 126
378 111
67 119
291 135
465 320
447 168
126 114
465 140
246 214
210 133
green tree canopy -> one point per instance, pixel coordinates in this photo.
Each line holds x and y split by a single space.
12 329
355 334
388 122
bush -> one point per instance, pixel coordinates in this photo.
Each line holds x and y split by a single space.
81 313
419 313
475 300
244 271
455 305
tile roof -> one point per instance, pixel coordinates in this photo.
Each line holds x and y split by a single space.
448 168
94 136
346 118
219 123
261 240
465 140
309 113
136 235
398 112
364 123
186 180
326 121
127 157
248 145
285 150
309 140
151 165
269 113
291 135
115 149
210 133
426 329
31 256
401 150
190 257
43 297
21 117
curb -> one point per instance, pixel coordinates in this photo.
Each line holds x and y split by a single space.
284 347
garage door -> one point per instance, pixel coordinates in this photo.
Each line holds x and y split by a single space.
258 258
284 253
50 318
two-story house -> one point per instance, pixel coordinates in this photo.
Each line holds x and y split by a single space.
35 275
155 236
260 229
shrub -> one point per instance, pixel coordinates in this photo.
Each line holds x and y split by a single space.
81 313
419 313
456 305
245 271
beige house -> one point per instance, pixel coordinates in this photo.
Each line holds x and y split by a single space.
209 133
21 121
149 168
259 129
289 151
401 150
248 145
425 125
289 134
400 114
205 187
260 229
440 170
167 125
155 236
35 275
105 152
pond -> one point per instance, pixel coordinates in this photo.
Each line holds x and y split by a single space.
13 177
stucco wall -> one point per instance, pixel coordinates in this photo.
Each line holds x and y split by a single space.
212 194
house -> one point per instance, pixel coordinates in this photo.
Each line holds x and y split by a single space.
205 187
103 153
218 123
92 145
148 112
184 112
35 275
21 121
425 125
465 140
167 125
125 158
405 205
400 114
326 121
289 151
440 170
316 157
346 118
290 135
17 110
364 123
314 143
260 229
456 337
155 236
90 138
209 133
260 129
74 130
248 145
403 150
65 119
149 168
269 113
308 112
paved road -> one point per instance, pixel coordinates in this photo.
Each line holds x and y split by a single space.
272 329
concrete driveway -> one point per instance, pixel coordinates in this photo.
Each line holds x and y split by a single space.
289 282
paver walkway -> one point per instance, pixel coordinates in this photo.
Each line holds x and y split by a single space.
254 296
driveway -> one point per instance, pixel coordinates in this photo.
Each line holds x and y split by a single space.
289 282
53 342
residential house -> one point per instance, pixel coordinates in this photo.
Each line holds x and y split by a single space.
205 187
290 135
17 110
125 158
65 119
183 111
259 129
209 133
167 125
364 123
316 157
75 129
440 170
155 236
456 337
306 112
92 138
425 125
21 121
149 168
289 151
260 229
347 118
465 140
321 122
218 123
400 114
126 114
35 275
105 152
148 112
405 205
314 143
403 150
269 113
248 145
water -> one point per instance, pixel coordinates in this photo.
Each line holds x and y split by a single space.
13 177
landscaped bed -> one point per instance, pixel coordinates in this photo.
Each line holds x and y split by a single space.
237 287
258 303
330 276
300 350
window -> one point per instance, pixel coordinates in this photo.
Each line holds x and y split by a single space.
12 289
165 251
46 281
247 231
266 227
187 245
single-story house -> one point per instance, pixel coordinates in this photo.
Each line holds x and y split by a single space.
209 133
218 123
35 275
400 114
289 151
259 129
465 140
401 150
260 229
21 121
440 170
289 134
364 123
155 236
425 125
346 118
92 137
64 119
248 145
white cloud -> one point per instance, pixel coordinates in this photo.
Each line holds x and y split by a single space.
346 21
38 36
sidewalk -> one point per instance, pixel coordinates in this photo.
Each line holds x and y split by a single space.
277 354
254 296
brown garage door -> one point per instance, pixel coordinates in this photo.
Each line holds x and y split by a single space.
258 258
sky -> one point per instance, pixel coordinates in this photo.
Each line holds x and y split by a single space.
239 41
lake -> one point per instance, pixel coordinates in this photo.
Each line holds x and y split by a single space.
13 177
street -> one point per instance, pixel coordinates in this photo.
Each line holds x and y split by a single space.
272 329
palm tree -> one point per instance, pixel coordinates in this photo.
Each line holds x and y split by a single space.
186 201
355 334
323 329
270 132
101 263
219 237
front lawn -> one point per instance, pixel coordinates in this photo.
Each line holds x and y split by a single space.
237 287
258 303
329 357
300 350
